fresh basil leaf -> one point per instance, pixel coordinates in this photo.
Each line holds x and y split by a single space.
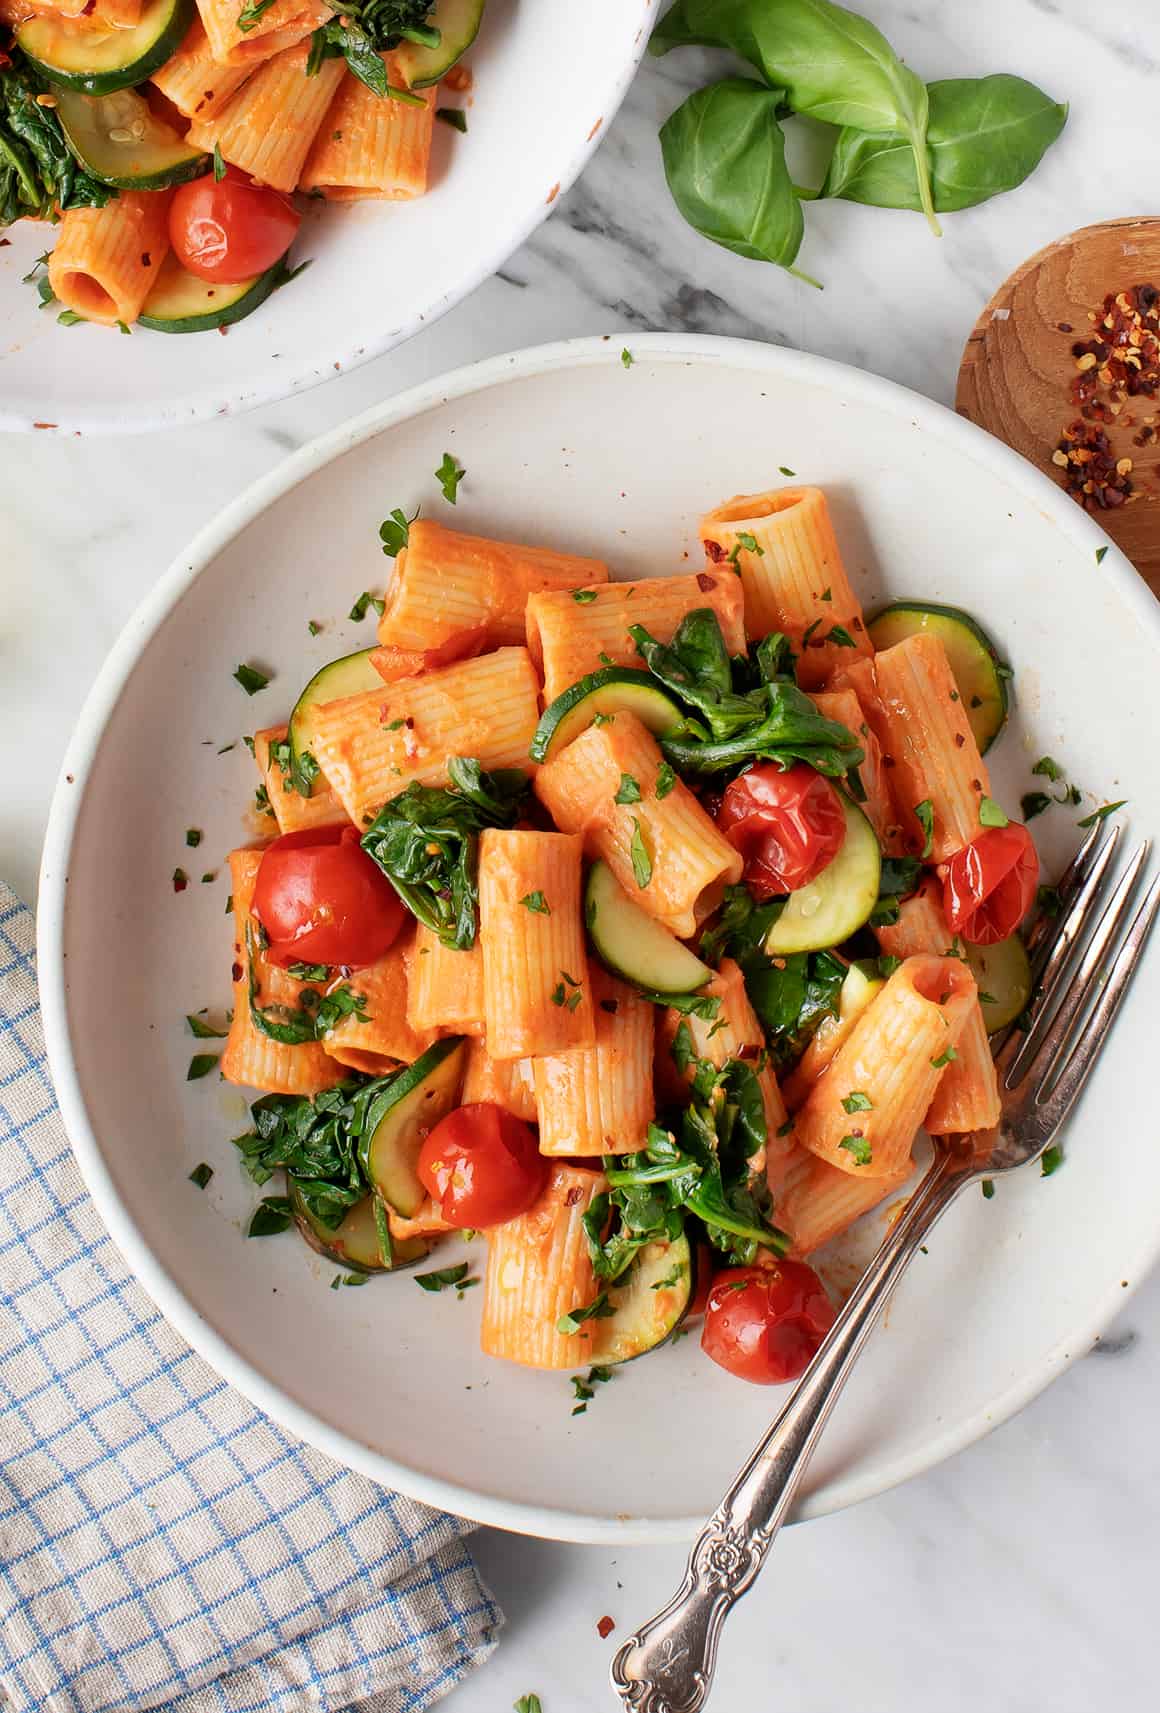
724 159
830 63
985 135
792 997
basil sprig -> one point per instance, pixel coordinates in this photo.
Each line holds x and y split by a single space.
316 1142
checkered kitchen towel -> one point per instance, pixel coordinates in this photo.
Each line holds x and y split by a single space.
163 1544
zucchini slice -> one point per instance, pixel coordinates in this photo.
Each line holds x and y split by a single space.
354 1242
649 1303
119 140
634 944
833 906
402 1115
979 673
1004 977
99 61
458 24
181 303
344 677
614 690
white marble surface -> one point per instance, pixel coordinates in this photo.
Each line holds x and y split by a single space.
1021 1575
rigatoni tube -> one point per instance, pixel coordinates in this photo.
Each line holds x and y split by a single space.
536 993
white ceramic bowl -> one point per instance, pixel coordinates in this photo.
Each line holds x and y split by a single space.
564 445
549 76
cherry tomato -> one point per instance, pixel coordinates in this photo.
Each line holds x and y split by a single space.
482 1166
989 886
765 1323
322 900
229 229
788 826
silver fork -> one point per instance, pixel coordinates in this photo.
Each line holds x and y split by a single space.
667 1666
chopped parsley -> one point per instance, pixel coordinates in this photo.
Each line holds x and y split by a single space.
313 626
251 679
840 635
200 1066
856 1101
571 1322
642 867
1102 813
201 1175
453 116
626 357
180 880
628 791
449 475
1051 1161
366 600
750 543
944 1058
991 814
536 903
395 531
1033 803
192 837
219 166
583 596
444 1277
1100 552
988 1189
528 1703
858 1148
786 471
584 1390
205 1031
309 972
924 813
1049 769
666 779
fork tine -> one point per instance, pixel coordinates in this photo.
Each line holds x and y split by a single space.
1083 1055
1050 1041
1067 886
1057 954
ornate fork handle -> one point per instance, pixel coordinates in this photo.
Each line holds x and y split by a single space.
667 1666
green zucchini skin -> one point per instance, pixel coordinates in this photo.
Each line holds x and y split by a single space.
400 1118
633 944
613 690
839 901
644 1318
118 59
157 161
458 24
347 676
1003 973
216 306
974 660
354 1242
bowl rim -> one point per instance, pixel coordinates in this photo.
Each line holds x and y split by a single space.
275 388
687 350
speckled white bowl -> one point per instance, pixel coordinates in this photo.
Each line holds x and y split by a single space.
565 445
548 77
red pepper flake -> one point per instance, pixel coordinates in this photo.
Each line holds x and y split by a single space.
146 259
573 1196
180 880
705 582
1118 363
605 1627
237 972
715 551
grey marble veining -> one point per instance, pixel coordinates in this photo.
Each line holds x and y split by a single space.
1021 1575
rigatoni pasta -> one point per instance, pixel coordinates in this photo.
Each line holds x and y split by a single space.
373 745
598 1099
888 1069
659 843
447 583
370 147
558 978
783 546
106 259
536 993
196 82
268 126
570 637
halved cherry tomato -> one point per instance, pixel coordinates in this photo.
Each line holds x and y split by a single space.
788 826
989 886
482 1166
322 900
230 229
765 1323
